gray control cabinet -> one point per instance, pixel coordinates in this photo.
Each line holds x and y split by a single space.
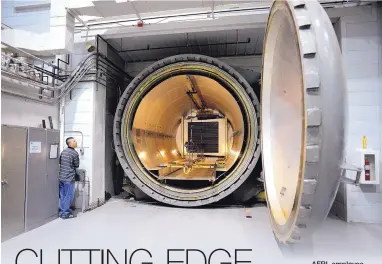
42 195
13 168
52 169
29 178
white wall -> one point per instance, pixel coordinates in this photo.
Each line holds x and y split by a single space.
362 55
23 112
15 110
79 115
35 20
99 102
42 27
86 111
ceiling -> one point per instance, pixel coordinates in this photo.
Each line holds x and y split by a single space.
99 11
143 8
225 43
225 33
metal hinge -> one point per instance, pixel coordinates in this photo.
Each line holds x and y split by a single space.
349 167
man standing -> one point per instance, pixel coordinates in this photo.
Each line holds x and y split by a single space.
69 162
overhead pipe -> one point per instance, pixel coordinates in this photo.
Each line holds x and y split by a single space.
28 65
25 83
22 95
32 56
88 60
81 72
186 46
86 65
30 84
51 100
71 77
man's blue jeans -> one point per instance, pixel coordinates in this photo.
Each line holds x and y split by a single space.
66 197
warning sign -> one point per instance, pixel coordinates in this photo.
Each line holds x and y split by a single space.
35 147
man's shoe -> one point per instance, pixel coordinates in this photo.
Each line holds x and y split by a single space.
66 216
70 216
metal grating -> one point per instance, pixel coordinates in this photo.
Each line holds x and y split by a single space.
203 137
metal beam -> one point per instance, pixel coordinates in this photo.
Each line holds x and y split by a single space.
186 46
195 93
135 10
213 9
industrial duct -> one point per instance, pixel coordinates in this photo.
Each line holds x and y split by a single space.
186 130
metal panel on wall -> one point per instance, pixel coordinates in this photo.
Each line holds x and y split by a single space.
36 178
13 166
40 186
52 170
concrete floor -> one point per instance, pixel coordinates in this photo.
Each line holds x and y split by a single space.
122 224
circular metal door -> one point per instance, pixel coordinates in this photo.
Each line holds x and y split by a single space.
302 117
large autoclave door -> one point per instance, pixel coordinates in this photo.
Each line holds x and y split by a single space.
302 117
